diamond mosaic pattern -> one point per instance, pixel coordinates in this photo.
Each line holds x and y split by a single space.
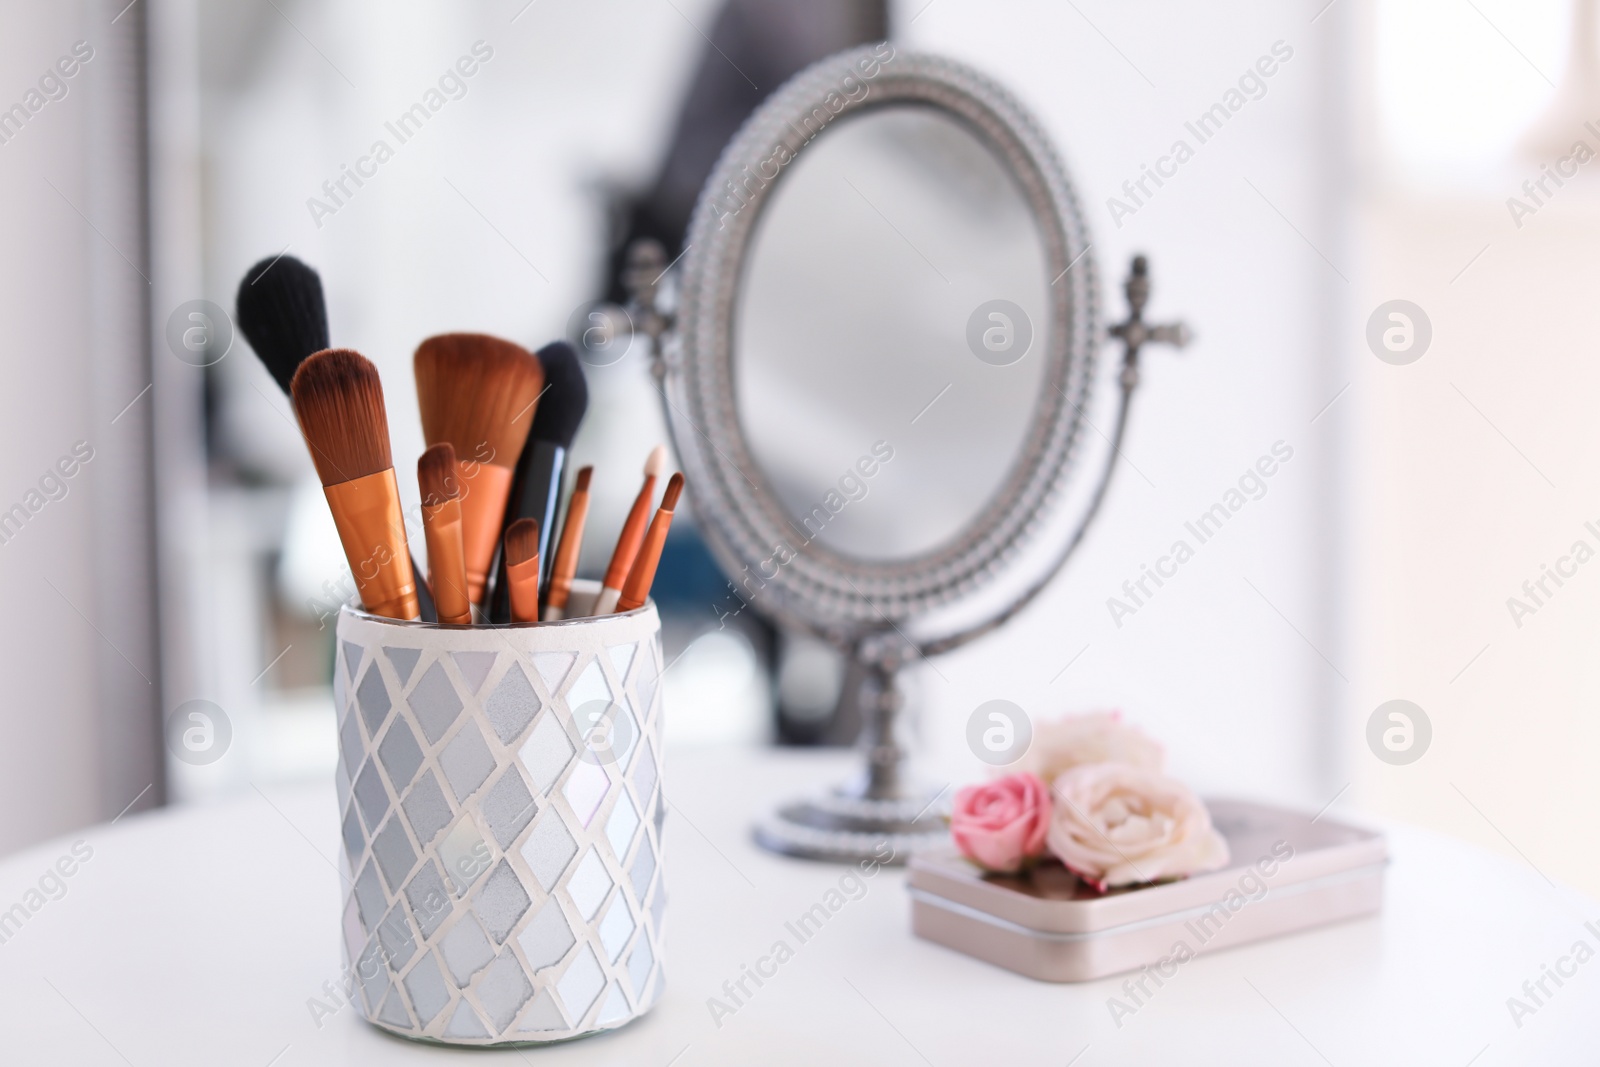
621 826
373 697
504 990
426 809
548 850
509 807
590 883
512 706
544 1015
616 1005
435 703
464 1023
586 789
581 984
404 661
426 984
553 668
547 753
466 949
466 761
616 928
644 774
426 895
622 657
507 888
545 941
399 944
465 855
394 854
352 658
399 754
371 797
501 902
350 745
474 667
354 840
639 964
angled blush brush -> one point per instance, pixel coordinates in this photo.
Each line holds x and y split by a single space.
441 524
536 484
632 535
643 574
522 570
567 549
478 393
282 313
338 399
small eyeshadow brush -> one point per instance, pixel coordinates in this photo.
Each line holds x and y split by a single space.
632 534
643 573
568 549
441 522
522 570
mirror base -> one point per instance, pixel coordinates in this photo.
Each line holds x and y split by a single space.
843 826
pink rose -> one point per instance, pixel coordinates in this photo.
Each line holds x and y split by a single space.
1114 824
1099 737
1001 825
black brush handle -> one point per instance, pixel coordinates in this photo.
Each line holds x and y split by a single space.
424 594
535 494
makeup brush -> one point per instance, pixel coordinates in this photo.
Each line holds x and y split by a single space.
339 402
536 485
441 523
567 549
643 574
632 534
478 394
522 570
281 312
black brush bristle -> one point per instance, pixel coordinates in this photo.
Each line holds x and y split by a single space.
566 396
281 311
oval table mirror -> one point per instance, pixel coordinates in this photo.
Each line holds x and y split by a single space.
876 375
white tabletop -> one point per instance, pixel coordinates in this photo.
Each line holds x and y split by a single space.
199 936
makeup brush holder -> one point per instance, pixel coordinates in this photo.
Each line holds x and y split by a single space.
500 798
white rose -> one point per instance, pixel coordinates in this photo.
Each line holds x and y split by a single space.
1116 824
1073 740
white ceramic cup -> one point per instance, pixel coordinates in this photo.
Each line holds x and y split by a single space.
500 798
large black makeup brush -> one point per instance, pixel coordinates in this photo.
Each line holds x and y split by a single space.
281 311
536 484
283 315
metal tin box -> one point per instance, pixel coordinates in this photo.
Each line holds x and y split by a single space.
1287 872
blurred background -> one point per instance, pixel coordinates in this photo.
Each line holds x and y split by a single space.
1402 151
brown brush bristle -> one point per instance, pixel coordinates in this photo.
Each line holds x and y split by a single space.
583 480
338 399
477 392
436 475
522 541
669 499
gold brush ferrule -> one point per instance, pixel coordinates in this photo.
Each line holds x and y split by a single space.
485 488
367 512
447 568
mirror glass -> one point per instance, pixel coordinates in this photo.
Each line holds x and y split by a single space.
890 332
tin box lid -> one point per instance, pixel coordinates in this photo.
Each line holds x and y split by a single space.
1268 848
